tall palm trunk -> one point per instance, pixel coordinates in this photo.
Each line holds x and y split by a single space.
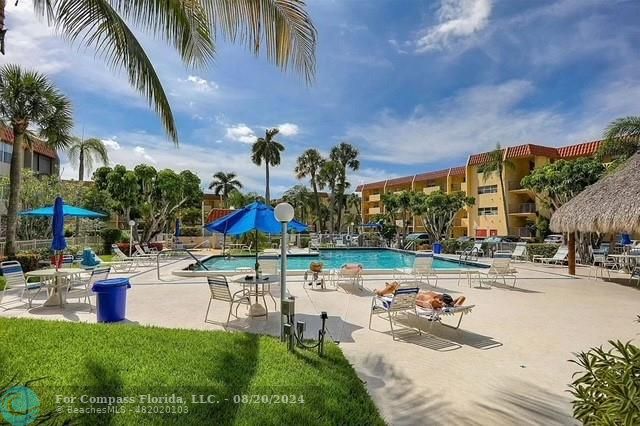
80 179
267 195
339 205
504 202
15 175
317 199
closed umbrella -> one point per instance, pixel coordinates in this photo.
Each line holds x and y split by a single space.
58 244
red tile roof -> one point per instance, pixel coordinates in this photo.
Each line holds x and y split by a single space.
530 150
432 175
458 171
579 150
400 180
6 135
216 214
477 159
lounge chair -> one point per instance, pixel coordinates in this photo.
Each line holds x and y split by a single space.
475 251
124 263
422 268
520 252
269 265
435 315
139 252
149 250
14 276
602 262
558 258
219 290
500 269
339 242
247 247
350 273
403 300
81 289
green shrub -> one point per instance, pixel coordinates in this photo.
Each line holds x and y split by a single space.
607 390
541 249
110 236
191 231
452 245
3 283
304 242
28 260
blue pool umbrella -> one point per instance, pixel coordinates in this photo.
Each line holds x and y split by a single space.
254 217
58 243
67 210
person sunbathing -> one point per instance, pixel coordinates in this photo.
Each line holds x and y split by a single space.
433 300
388 289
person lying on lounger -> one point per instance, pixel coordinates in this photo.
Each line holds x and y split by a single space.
425 299
433 300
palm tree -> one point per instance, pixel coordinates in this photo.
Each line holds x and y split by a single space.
496 163
84 153
28 98
621 139
309 164
329 177
346 156
268 150
298 196
354 203
190 27
223 184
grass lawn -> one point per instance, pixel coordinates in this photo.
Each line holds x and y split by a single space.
106 257
99 360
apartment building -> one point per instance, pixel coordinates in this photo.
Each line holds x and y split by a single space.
487 217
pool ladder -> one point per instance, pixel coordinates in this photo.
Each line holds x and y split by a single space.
202 265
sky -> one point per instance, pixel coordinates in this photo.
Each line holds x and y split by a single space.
415 85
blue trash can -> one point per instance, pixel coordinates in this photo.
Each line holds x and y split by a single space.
111 300
437 248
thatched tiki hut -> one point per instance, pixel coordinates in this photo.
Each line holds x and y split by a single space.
611 205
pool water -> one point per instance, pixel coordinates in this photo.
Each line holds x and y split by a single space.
368 258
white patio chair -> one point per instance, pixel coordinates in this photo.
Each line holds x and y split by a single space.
520 252
350 273
422 269
500 269
81 288
14 276
219 290
148 249
402 301
559 257
601 262
475 251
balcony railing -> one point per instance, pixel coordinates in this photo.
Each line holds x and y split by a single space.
515 186
522 232
524 208
455 187
430 189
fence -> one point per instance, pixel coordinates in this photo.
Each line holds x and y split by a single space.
27 245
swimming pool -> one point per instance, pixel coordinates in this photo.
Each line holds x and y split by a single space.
368 258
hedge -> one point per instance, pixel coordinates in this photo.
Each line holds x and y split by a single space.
451 246
109 237
541 249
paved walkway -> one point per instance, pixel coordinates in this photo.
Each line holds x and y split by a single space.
508 364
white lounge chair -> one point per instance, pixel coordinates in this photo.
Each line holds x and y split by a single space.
422 269
559 257
148 249
520 252
475 251
124 263
14 276
139 252
403 300
436 315
500 269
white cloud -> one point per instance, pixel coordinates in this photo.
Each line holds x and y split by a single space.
458 19
241 133
141 152
111 144
288 129
200 84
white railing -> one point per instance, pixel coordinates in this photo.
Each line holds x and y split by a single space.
26 245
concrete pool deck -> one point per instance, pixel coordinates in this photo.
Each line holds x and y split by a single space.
507 365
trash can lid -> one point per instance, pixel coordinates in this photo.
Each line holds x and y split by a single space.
111 283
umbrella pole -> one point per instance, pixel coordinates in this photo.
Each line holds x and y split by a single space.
257 264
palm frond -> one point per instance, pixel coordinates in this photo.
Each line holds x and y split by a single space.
626 127
95 23
283 25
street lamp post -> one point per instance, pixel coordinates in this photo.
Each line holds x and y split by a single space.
131 225
284 214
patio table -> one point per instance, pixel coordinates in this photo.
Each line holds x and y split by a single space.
55 279
626 261
256 309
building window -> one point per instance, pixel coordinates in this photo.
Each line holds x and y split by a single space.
44 164
488 189
7 151
487 211
532 165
